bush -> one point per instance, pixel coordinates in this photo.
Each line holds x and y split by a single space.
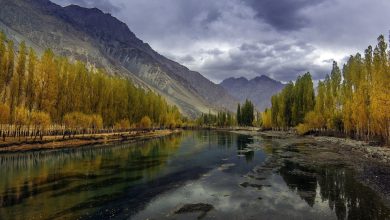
123 124
96 121
78 120
303 129
314 120
145 122
21 116
40 120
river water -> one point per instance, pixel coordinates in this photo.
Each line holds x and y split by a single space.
222 171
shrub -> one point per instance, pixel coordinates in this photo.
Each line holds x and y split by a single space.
145 122
302 129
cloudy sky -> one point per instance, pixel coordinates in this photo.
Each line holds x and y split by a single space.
278 38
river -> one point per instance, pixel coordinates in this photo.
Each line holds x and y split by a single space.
225 175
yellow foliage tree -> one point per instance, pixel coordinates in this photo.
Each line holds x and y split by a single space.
122 124
145 122
4 114
41 121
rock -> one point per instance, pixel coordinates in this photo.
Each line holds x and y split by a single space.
257 186
198 207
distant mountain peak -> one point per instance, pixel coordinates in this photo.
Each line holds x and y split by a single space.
259 89
257 79
232 79
264 78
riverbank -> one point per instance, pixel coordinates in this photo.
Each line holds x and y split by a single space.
57 142
370 164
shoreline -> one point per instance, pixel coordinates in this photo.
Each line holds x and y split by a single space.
371 164
54 143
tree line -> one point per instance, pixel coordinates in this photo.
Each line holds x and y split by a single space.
221 119
245 116
354 100
42 91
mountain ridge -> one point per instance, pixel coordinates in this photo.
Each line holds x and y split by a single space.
258 89
105 42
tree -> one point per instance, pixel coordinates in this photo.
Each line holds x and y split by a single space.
47 83
247 113
80 121
4 114
40 121
31 81
357 104
145 122
9 72
123 124
3 60
319 108
20 73
73 94
238 116
21 118
96 122
266 117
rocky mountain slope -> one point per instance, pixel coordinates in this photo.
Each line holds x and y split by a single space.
103 41
259 89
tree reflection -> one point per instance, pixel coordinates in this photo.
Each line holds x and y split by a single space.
242 146
68 177
348 198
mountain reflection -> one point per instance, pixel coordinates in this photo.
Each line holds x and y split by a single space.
348 198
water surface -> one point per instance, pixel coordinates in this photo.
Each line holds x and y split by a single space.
152 180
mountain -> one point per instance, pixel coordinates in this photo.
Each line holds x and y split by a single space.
103 41
259 89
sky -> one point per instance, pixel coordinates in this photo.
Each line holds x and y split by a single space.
234 38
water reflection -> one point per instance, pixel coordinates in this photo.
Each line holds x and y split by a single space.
154 178
348 198
242 146
31 183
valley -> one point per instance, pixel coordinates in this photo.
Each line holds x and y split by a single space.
235 109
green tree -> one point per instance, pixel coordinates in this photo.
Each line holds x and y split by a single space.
238 116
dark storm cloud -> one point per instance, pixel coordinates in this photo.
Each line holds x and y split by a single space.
283 14
211 17
187 59
281 60
278 38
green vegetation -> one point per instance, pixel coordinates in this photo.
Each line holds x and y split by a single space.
245 114
41 92
222 119
354 101
244 117
290 106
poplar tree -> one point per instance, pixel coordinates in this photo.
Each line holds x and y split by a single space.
31 81
20 73
238 116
